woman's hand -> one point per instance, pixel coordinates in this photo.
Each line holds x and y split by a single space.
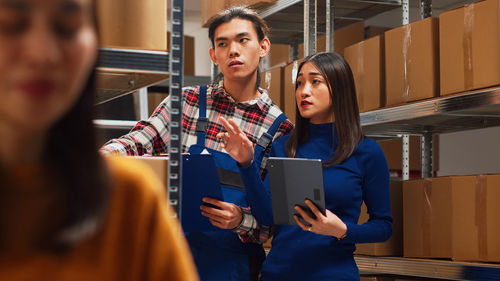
228 216
236 143
326 225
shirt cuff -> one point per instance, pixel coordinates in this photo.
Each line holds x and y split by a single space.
248 223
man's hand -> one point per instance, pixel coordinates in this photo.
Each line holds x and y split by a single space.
236 143
228 216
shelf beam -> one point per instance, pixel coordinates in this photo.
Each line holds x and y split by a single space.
428 268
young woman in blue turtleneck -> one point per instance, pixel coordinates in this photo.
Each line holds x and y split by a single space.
354 170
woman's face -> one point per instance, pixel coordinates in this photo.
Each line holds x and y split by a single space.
313 95
47 51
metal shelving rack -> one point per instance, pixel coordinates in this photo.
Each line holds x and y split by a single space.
292 22
123 71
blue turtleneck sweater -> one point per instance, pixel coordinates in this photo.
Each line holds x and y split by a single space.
302 255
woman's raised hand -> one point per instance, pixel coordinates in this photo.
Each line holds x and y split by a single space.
236 143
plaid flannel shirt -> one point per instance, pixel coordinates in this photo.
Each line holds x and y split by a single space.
254 118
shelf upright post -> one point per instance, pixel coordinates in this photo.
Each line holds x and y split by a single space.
406 157
294 51
143 104
427 139
330 26
426 154
425 8
176 68
405 6
310 31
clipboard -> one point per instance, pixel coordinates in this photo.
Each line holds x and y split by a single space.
292 180
199 179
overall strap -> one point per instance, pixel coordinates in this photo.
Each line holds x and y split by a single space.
202 122
267 137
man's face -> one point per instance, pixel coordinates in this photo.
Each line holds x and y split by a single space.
237 49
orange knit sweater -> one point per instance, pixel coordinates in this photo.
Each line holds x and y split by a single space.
139 239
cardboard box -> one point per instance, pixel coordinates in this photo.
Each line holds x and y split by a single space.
209 8
412 62
393 151
470 47
366 60
279 54
372 31
154 99
159 165
452 217
393 246
343 37
289 105
188 54
133 24
272 81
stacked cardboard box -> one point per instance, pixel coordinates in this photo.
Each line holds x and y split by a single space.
133 24
452 217
470 47
289 75
412 62
188 54
366 60
272 81
279 54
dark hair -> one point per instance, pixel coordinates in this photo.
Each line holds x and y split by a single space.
239 12
347 127
73 151
77 171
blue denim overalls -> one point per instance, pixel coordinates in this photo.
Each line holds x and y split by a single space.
220 255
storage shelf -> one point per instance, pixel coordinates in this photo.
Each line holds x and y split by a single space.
122 71
467 111
440 269
286 17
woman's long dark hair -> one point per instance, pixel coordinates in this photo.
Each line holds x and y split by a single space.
347 127
72 152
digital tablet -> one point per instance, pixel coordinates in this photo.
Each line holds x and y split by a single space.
292 180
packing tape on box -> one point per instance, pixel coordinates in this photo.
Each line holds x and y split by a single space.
480 216
361 74
406 61
267 81
427 217
467 45
295 69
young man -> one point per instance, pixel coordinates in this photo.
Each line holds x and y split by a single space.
239 40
